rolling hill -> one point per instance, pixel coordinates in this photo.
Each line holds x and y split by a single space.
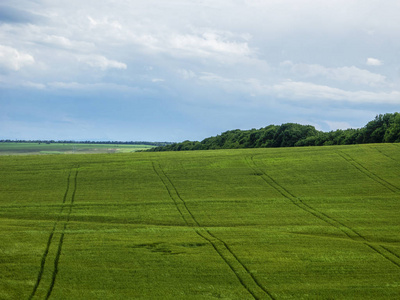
276 223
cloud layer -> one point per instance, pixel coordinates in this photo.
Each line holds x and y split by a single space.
12 59
207 65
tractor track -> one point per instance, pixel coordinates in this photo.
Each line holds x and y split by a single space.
46 251
384 253
368 173
52 236
384 154
242 273
390 251
61 241
347 230
302 205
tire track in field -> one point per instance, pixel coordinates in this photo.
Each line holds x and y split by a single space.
301 204
52 236
46 251
61 241
242 273
347 230
368 173
381 152
388 250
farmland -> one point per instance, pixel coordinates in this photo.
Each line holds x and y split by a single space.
287 223
10 148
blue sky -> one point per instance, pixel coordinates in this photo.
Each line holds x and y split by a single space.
173 70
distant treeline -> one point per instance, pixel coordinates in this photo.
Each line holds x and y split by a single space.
383 129
87 142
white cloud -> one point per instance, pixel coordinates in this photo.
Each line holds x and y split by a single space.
105 22
356 75
333 125
92 86
215 78
343 74
186 74
300 90
335 16
93 22
65 43
67 85
14 60
103 63
307 90
374 62
35 85
209 43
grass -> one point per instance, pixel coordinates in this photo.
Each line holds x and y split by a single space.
10 148
287 223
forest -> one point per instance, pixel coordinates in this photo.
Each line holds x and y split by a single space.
385 128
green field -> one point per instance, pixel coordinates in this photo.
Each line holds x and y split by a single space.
287 223
10 148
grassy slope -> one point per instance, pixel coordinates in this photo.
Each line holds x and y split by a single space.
286 223
58 148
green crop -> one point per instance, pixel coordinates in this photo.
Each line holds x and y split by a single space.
287 223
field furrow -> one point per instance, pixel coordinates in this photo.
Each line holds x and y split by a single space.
58 224
386 155
46 251
244 276
293 223
368 173
347 230
302 205
61 241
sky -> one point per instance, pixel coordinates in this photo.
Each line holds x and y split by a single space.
156 70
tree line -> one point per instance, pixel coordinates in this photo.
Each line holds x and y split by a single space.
383 129
86 142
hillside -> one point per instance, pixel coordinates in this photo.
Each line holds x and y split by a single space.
383 129
287 223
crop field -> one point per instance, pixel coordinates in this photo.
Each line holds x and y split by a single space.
286 223
10 148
